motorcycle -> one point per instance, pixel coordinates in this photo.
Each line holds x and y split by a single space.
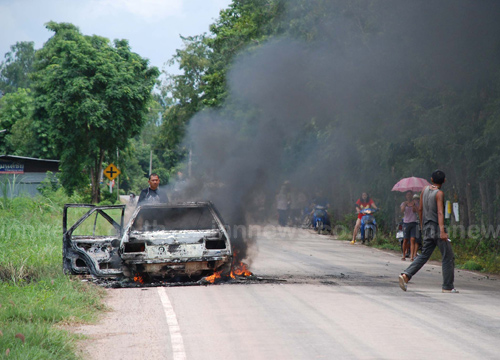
320 219
368 225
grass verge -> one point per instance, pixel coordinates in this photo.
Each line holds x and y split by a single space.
35 295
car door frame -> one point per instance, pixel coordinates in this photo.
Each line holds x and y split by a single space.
76 260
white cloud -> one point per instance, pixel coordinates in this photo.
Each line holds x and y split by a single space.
151 10
151 26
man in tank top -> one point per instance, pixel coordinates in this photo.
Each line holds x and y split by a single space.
431 211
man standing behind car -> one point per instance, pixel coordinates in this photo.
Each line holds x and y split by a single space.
152 195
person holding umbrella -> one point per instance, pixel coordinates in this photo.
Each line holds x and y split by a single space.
407 185
409 208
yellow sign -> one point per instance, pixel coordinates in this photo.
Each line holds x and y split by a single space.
111 172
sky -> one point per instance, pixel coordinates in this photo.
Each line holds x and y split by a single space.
152 27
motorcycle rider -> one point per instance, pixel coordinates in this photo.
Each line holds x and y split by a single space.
363 203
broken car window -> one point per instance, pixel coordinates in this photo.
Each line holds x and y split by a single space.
157 219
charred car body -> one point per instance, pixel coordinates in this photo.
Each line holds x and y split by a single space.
187 239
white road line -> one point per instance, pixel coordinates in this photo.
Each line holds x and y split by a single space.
173 326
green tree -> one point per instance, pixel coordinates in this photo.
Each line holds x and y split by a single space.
205 61
91 97
184 96
245 23
134 162
18 64
16 118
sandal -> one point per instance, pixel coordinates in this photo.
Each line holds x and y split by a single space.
402 283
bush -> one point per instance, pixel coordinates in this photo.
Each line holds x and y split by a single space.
472 265
108 198
49 185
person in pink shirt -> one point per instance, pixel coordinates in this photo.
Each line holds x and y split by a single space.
410 209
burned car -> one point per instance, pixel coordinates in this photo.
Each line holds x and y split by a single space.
158 241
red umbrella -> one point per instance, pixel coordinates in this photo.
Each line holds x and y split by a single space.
411 183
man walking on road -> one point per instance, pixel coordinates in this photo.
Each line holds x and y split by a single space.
431 211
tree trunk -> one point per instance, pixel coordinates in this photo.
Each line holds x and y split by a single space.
497 205
96 174
490 204
484 203
397 209
461 199
468 196
350 207
463 208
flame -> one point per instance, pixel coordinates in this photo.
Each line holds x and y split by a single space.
237 269
240 269
138 278
216 275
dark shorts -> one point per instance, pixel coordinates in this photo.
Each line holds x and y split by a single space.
410 230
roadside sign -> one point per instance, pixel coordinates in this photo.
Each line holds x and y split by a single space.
8 167
111 172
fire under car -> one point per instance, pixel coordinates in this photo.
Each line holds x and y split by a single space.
158 241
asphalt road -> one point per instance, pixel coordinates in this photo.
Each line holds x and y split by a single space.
317 298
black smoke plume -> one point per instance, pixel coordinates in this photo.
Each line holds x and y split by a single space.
296 108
